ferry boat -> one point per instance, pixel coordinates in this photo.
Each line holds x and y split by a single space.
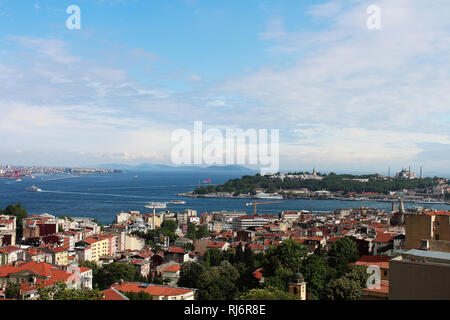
263 195
178 202
34 188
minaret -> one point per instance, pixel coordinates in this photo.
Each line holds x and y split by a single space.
393 207
420 172
401 213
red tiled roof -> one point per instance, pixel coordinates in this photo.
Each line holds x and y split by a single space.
439 213
255 246
110 294
380 261
9 249
216 244
173 268
258 273
384 237
153 290
176 250
384 288
334 239
315 238
41 268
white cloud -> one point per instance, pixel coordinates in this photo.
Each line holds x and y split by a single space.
365 89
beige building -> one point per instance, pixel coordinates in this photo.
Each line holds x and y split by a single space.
134 243
420 275
100 245
7 230
159 218
426 226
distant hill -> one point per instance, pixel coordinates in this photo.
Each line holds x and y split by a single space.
163 167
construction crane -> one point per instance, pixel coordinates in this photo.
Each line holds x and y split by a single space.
258 203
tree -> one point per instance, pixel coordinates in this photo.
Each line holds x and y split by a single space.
141 295
189 246
239 254
13 291
218 283
349 286
190 273
342 253
102 227
289 255
104 277
191 231
213 257
19 212
268 293
59 291
316 273
169 225
249 258
202 231
358 274
343 289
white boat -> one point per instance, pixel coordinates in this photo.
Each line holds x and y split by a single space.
263 195
34 188
178 202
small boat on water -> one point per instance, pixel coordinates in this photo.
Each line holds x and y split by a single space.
34 188
178 202
262 195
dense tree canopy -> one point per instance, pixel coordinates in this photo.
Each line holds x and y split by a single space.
332 182
60 292
19 212
268 293
141 295
219 282
190 274
104 277
343 252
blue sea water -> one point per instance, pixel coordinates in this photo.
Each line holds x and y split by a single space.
101 196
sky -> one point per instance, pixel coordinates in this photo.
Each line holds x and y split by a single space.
344 97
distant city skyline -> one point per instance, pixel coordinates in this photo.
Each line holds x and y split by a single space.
345 98
390 172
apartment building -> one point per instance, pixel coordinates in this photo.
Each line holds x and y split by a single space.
100 245
7 230
426 226
420 275
244 222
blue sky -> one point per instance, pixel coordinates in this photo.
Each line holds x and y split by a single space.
345 98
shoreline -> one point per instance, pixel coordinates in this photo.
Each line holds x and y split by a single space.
191 195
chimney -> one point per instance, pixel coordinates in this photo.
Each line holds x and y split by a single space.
424 244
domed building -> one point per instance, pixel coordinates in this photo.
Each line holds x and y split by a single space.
298 286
